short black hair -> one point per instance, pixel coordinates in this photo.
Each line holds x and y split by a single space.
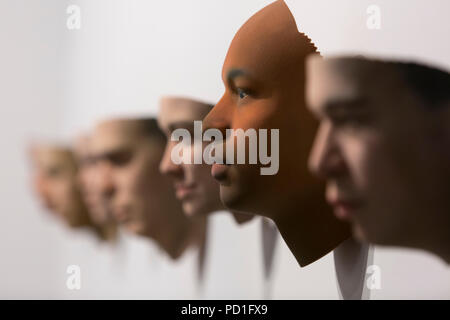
431 84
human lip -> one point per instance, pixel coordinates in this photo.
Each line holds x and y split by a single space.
50 205
183 190
219 172
344 208
121 214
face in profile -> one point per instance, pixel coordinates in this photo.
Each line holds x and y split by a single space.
55 183
127 159
194 186
263 74
379 147
89 182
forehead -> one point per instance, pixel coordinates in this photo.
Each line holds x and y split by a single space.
50 157
114 134
266 42
341 80
82 146
175 112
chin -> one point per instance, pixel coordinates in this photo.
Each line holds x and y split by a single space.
98 221
236 200
73 224
188 209
229 197
136 229
194 207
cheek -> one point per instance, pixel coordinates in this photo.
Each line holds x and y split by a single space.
257 114
64 194
193 173
139 181
47 190
126 181
146 178
202 176
269 113
61 188
376 172
166 158
365 158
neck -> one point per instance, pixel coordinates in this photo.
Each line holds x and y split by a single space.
241 218
107 232
309 227
182 233
80 218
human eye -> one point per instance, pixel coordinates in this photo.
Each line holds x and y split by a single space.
54 172
350 121
120 159
242 93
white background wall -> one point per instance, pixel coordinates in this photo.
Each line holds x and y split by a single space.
55 82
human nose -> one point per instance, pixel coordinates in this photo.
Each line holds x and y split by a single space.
167 166
325 159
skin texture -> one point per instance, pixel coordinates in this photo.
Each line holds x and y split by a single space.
195 188
90 189
55 183
140 198
198 192
264 81
383 152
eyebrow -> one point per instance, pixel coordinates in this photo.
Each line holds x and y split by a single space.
53 168
234 73
108 154
87 160
345 104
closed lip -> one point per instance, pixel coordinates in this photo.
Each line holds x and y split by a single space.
344 208
121 215
183 190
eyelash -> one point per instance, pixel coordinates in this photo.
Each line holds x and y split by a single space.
121 159
350 121
241 92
